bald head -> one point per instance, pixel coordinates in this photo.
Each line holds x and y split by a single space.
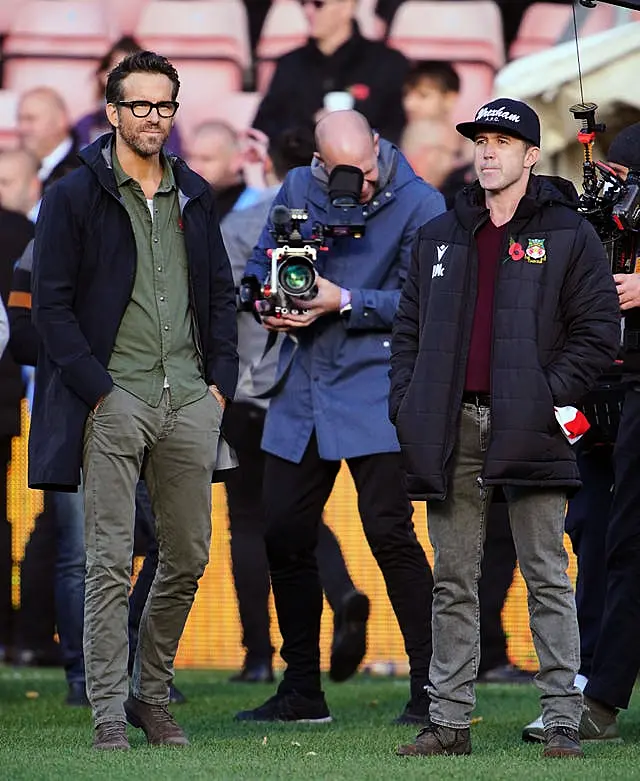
215 153
19 183
43 121
345 138
431 148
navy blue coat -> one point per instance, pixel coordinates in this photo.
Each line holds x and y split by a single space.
83 273
556 328
338 383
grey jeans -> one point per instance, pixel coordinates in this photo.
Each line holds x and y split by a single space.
457 533
179 452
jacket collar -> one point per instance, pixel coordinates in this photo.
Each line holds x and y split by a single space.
97 156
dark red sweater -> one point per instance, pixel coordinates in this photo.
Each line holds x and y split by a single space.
489 241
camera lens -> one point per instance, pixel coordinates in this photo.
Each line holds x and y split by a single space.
296 278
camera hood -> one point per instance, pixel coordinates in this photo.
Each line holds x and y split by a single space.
345 185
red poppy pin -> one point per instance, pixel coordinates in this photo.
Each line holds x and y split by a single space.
515 250
360 91
180 224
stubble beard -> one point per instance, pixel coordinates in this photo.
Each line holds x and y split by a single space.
141 145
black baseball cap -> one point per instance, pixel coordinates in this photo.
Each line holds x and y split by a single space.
512 117
625 148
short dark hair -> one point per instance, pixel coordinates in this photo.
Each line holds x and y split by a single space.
292 148
139 62
439 71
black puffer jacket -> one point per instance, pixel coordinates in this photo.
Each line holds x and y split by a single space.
555 329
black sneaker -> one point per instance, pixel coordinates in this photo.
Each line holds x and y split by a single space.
416 711
506 673
349 636
562 742
289 706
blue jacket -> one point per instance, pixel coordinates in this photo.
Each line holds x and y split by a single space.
83 272
338 383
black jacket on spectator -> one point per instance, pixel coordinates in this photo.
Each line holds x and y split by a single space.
83 272
556 327
371 71
15 233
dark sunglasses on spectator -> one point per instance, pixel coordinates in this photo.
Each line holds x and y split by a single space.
142 108
317 4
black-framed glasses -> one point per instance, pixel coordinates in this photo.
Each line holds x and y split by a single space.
142 108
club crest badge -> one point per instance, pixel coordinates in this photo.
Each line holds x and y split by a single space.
535 251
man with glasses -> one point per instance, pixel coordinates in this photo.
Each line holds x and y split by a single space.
336 58
134 302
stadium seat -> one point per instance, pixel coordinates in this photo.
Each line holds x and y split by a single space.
285 28
8 123
469 35
449 30
207 41
57 44
236 108
371 26
124 15
545 24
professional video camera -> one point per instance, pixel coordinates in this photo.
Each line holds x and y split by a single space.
610 204
292 277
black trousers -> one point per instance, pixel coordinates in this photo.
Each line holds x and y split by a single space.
586 524
243 425
294 497
616 661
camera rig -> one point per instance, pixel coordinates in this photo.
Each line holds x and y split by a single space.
611 204
292 276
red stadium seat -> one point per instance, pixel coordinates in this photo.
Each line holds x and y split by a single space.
469 35
449 30
236 108
124 15
207 41
545 24
8 123
57 44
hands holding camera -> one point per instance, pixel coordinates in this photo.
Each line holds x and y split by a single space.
327 300
628 286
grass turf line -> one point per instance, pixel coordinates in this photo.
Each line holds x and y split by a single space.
42 739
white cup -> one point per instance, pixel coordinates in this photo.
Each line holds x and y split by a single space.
338 101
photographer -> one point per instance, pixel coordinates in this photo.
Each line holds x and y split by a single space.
331 405
616 660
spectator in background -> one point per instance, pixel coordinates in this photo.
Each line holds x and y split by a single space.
20 186
93 125
335 58
431 149
44 130
244 425
15 233
4 328
216 154
430 92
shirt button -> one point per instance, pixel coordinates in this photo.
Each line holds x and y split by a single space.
166 328
155 241
162 298
159 268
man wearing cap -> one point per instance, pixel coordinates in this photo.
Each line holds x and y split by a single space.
508 312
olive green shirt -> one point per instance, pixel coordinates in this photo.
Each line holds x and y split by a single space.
154 347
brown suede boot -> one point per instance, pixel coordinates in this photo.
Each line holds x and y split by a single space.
111 736
157 723
434 739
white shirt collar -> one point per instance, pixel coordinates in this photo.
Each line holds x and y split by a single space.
33 212
53 158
